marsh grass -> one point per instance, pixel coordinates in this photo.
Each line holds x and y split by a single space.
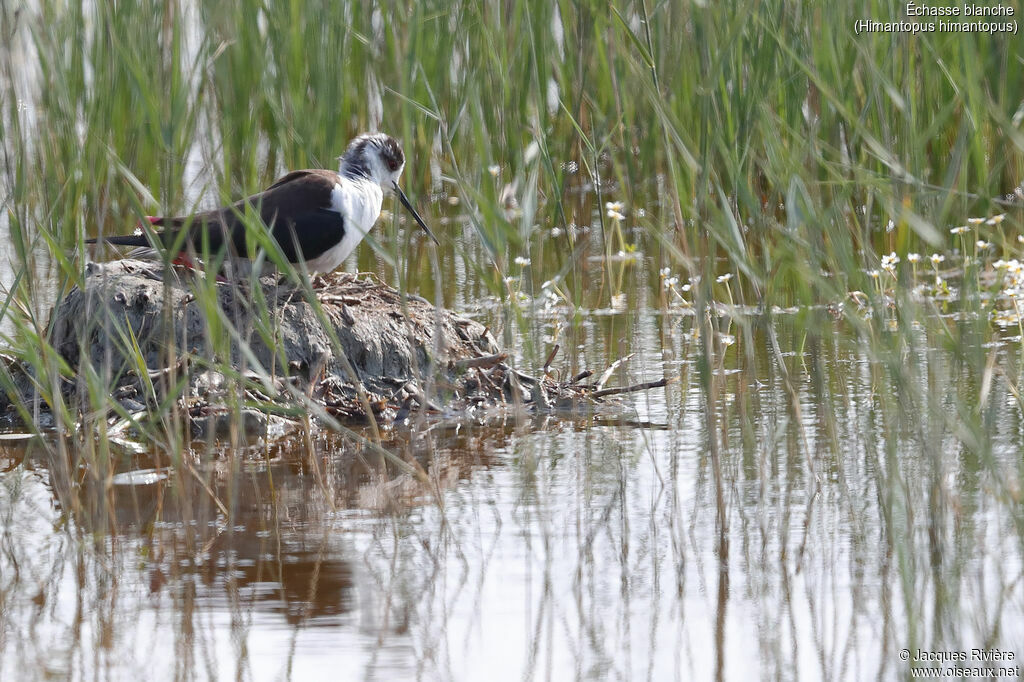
764 140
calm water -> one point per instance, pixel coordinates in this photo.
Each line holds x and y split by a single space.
813 497
818 528
823 496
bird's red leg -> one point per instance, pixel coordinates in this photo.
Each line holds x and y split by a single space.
183 260
151 219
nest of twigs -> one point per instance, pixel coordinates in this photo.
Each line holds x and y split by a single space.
362 349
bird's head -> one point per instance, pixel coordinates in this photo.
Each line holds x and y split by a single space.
378 158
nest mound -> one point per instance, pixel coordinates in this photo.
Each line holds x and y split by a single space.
361 347
380 336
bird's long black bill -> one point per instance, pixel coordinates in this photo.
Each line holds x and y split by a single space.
408 206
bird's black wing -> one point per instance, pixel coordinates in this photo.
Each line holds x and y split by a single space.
309 234
296 207
298 210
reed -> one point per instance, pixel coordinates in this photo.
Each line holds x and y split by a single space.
766 160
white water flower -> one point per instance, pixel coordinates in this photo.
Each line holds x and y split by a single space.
889 262
724 278
996 219
522 262
937 258
616 206
960 230
913 257
975 221
494 170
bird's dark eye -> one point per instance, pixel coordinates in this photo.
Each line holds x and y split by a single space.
393 164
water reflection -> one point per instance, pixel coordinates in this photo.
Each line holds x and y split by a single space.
811 518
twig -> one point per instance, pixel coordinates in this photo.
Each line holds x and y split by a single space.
339 299
208 489
630 389
484 377
611 370
483 361
421 398
179 366
523 377
551 357
585 374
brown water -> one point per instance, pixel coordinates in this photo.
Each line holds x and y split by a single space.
827 520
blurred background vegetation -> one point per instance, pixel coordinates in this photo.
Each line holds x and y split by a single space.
766 134
753 199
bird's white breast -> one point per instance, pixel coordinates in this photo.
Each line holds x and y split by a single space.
358 202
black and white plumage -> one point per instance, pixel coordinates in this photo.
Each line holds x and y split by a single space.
316 216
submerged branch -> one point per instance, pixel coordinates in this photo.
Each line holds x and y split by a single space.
630 389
